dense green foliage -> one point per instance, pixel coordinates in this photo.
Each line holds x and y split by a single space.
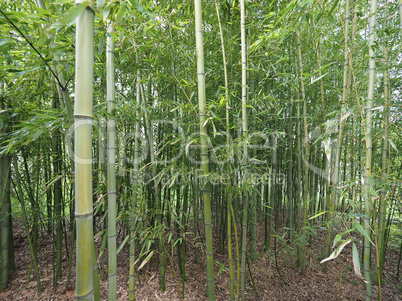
285 166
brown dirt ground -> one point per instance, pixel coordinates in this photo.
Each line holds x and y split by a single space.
339 283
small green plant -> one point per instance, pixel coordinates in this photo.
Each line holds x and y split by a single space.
222 267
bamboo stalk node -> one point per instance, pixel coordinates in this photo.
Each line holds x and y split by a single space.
81 215
83 116
83 297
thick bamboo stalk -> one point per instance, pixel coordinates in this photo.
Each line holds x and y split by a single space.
204 149
368 206
245 150
384 159
245 155
111 160
83 153
135 196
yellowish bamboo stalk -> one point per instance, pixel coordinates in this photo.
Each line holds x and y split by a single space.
83 152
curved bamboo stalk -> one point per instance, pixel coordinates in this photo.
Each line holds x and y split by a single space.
204 149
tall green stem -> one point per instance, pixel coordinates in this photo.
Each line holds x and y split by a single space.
384 159
20 196
4 219
335 175
83 152
135 195
244 134
306 156
58 198
204 149
228 189
111 160
368 206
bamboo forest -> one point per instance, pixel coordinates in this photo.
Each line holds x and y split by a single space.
201 150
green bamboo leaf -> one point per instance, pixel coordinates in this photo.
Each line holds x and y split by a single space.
333 8
123 244
103 246
106 12
356 260
393 144
121 13
97 234
10 147
337 251
220 270
100 45
348 231
317 215
100 3
362 231
71 16
48 185
138 6
318 17
146 260
373 192
43 11
336 240
317 79
64 1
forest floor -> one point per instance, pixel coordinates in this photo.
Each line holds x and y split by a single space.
338 283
